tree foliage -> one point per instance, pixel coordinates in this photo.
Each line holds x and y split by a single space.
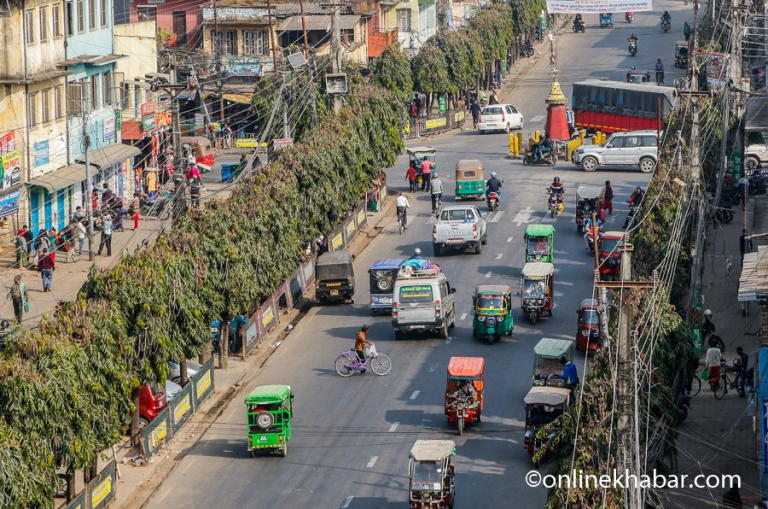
393 72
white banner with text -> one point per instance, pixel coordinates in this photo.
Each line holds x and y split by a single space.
597 6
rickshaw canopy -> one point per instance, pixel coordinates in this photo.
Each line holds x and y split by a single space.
539 230
268 394
589 303
472 165
432 450
334 265
554 348
589 192
466 368
421 151
549 396
387 264
538 270
500 289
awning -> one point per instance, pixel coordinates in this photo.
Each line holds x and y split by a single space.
107 59
105 157
293 24
61 178
753 283
239 98
82 59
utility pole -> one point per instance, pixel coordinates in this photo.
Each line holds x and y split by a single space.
179 162
88 183
626 373
304 28
217 63
336 50
286 125
275 53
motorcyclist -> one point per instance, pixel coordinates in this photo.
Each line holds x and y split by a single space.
542 147
708 328
589 227
637 197
666 17
417 255
578 20
402 205
634 38
556 185
659 72
492 185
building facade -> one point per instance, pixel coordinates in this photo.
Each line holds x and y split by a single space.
178 20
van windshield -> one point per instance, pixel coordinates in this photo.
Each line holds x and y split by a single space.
415 293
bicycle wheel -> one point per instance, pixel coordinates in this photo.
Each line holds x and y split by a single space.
381 365
342 365
696 384
400 226
719 389
740 385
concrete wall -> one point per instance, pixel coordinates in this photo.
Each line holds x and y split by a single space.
138 40
165 12
12 40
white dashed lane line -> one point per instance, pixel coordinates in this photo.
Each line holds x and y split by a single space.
415 394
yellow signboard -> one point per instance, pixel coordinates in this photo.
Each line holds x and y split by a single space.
458 116
361 216
350 229
158 434
336 241
203 384
248 143
181 408
101 492
268 316
435 122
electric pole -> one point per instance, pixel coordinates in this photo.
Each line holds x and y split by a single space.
88 183
272 36
336 50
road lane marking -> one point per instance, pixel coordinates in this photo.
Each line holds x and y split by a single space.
495 216
433 368
537 118
432 220
463 316
498 256
523 217
346 502
372 462
509 239
394 427
415 394
548 219
488 275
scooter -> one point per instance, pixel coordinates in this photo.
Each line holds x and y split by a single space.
665 26
632 48
629 16
579 26
547 159
556 203
493 200
527 49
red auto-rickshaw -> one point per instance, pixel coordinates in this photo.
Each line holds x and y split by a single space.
200 147
464 390
610 256
588 327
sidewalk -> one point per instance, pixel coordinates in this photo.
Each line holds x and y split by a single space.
717 437
137 483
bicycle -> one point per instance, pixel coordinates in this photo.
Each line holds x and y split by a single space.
720 388
401 220
348 362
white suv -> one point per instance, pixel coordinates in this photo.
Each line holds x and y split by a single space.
500 117
634 148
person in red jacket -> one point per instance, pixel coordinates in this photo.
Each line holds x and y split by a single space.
410 176
47 265
608 197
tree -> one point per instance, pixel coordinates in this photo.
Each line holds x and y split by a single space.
430 71
393 72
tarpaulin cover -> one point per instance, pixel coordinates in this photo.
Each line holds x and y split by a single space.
418 265
614 97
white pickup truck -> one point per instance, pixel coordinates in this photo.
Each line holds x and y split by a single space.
459 226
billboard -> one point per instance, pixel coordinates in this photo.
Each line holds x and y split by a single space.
597 6
244 67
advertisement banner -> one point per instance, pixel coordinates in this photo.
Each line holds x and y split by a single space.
337 240
109 129
10 203
435 123
41 154
164 118
349 229
155 434
717 67
148 123
102 487
10 162
247 143
203 383
147 109
597 6
245 67
268 316
181 407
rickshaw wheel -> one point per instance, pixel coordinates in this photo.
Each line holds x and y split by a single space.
283 451
253 453
460 423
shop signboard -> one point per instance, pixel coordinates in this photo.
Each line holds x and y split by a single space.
147 109
109 129
244 67
10 203
164 118
148 123
282 143
434 123
10 161
41 153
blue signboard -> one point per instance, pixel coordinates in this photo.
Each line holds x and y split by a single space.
9 203
41 153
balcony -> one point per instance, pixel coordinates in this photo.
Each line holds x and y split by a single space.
380 39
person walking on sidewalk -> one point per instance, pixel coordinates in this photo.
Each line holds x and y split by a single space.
81 231
426 173
21 249
18 295
475 110
745 244
72 232
133 210
742 362
410 176
46 265
53 236
608 197
106 235
41 242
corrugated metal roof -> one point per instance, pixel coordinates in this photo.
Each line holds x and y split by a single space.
293 23
753 282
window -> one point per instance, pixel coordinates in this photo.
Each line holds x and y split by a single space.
74 96
94 92
404 20
649 141
32 110
91 14
104 19
347 35
29 26
58 102
227 41
43 23
180 27
616 142
56 21
106 88
70 19
80 17
147 13
45 98
631 142
255 42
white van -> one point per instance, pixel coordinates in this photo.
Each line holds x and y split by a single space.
423 302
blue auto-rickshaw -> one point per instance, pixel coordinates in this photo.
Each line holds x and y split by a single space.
606 19
383 275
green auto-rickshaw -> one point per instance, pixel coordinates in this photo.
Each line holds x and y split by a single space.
470 180
540 243
270 412
493 312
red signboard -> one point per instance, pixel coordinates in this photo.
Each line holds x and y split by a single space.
147 109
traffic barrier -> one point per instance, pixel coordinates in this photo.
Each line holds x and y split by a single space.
79 502
181 408
101 489
337 239
156 434
202 383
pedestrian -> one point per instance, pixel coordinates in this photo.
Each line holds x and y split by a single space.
608 197
135 218
18 295
106 235
21 249
424 105
743 190
742 362
436 189
687 31
194 192
713 364
41 242
79 214
227 132
745 244
475 109
193 173
410 176
119 212
46 265
80 229
426 173
659 72
732 499
53 236
71 241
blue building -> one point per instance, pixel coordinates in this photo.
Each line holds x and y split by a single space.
92 85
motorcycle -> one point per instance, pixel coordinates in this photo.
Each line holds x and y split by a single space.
665 25
548 158
632 48
724 213
629 16
493 200
757 184
632 211
556 202
579 26
527 49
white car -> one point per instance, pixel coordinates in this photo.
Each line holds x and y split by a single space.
174 369
500 117
634 148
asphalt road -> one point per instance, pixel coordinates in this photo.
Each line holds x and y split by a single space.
351 436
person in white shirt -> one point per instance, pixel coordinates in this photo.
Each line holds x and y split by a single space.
436 188
402 205
713 364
